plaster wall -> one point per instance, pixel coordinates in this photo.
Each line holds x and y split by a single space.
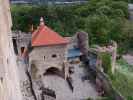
9 80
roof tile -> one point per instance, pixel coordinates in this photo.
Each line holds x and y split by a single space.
45 36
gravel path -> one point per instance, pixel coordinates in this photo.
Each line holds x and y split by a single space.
82 89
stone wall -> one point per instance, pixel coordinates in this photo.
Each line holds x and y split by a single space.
42 56
48 98
9 80
22 39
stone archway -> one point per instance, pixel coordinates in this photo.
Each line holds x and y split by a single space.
57 72
54 71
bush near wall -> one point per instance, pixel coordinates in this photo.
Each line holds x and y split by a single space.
106 62
123 84
119 83
122 79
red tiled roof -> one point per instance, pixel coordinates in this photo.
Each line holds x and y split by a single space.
44 36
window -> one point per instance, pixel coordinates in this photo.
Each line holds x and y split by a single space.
44 57
54 56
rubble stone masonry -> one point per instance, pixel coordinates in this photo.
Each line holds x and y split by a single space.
42 57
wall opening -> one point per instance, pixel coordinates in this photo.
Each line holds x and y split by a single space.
54 56
54 71
15 46
22 50
44 58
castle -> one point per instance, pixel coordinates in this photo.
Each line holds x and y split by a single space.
46 52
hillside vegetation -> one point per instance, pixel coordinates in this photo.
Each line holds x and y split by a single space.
104 20
123 79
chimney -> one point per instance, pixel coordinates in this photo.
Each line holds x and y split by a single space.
42 21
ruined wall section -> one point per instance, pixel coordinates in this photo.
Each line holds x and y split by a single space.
9 80
22 39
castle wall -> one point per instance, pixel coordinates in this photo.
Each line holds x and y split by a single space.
22 39
9 80
43 56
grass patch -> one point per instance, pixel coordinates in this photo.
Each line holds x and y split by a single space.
122 80
124 65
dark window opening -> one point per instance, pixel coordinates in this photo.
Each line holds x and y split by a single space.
15 46
44 57
54 55
22 50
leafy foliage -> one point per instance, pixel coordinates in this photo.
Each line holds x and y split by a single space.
104 20
122 79
125 66
106 62
122 82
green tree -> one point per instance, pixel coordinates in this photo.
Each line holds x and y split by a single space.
104 20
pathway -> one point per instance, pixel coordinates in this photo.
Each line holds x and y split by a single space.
24 81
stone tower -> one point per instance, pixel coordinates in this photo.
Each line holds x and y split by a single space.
9 80
49 49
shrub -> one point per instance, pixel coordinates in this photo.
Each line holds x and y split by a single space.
106 62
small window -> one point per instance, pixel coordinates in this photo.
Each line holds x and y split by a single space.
44 57
54 56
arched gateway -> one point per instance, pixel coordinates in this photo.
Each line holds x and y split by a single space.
54 71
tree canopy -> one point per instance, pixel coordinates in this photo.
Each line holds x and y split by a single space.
104 20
